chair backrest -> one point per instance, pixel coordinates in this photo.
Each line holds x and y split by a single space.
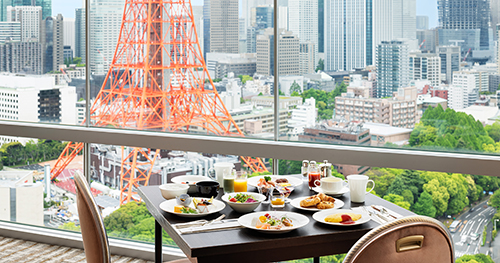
410 240
95 240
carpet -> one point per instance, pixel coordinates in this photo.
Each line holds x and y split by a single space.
18 251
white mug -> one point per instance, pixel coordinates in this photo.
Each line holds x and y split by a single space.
357 187
330 184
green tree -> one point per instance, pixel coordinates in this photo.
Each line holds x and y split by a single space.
289 167
70 226
295 87
495 199
493 131
77 60
408 196
424 205
477 258
440 196
321 65
398 200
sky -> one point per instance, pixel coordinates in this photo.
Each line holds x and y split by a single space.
67 8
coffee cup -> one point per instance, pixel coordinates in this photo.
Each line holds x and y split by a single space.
207 189
330 184
357 187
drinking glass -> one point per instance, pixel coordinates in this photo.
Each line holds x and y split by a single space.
240 182
229 181
267 192
278 201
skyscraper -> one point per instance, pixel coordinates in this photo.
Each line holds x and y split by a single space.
450 60
304 22
206 28
348 34
52 43
18 56
46 6
495 16
288 45
307 57
393 19
106 17
69 32
466 14
422 22
224 26
321 26
80 34
393 67
10 31
30 18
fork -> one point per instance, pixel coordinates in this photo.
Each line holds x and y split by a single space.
372 214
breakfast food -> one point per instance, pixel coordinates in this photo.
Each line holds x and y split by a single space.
325 205
203 205
242 198
270 222
343 218
319 201
310 201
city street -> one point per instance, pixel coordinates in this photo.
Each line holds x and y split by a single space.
468 238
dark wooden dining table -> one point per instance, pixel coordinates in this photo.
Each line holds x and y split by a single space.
248 245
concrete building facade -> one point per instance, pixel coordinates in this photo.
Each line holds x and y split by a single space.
224 26
53 43
18 56
30 18
289 59
425 66
393 67
10 31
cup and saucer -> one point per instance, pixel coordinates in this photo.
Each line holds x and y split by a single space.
333 186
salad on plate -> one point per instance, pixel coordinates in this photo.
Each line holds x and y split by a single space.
242 198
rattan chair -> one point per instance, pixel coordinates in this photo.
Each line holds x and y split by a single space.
95 240
410 240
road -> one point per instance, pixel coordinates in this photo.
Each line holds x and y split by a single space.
472 222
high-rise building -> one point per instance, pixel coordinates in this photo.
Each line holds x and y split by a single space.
206 27
283 17
46 6
498 51
53 43
68 53
288 45
106 17
80 34
10 30
425 66
427 39
69 32
307 58
495 16
393 19
224 26
464 91
264 16
305 20
321 26
18 56
348 34
450 61
251 40
393 67
422 22
466 14
30 18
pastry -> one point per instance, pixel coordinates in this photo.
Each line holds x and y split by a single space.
337 218
324 197
310 201
325 205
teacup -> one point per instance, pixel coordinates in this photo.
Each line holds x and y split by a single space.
357 187
330 184
207 189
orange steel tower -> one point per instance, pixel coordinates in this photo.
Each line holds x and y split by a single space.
157 82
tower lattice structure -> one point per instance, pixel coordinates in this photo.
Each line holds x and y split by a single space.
157 82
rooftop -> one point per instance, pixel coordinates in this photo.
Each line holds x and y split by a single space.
384 129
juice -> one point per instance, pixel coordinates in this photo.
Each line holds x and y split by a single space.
240 185
229 185
278 201
313 177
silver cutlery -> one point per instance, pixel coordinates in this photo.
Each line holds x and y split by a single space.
215 220
384 212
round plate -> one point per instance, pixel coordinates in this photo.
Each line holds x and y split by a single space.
295 182
298 221
168 206
320 216
243 207
296 203
336 194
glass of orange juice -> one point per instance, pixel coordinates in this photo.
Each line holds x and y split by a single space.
240 182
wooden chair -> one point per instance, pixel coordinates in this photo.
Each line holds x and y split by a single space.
410 240
95 240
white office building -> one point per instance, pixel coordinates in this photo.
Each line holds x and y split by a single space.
346 35
303 116
393 67
464 91
10 30
106 17
305 20
30 18
69 32
393 19
425 66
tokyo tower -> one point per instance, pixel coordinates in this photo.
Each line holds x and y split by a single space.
157 82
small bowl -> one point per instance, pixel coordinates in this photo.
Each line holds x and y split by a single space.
170 191
184 200
190 180
243 207
207 189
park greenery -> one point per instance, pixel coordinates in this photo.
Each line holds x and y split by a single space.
245 78
477 258
15 153
325 101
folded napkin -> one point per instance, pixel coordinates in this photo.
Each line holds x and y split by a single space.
199 227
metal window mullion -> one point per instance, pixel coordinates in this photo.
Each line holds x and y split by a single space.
276 84
86 146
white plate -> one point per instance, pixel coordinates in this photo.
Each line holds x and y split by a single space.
298 221
191 180
253 181
320 216
168 206
296 203
335 194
